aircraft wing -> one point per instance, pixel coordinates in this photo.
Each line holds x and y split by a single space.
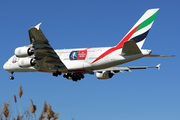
122 69
46 57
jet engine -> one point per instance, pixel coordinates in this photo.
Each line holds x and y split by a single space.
104 75
26 62
23 51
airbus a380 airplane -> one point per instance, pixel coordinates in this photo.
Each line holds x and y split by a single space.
39 56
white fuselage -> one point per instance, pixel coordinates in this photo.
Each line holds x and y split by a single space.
81 60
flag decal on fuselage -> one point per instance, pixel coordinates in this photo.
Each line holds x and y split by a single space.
78 55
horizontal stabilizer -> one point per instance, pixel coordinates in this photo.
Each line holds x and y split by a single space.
130 48
159 56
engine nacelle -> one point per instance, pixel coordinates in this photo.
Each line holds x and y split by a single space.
26 62
104 75
23 51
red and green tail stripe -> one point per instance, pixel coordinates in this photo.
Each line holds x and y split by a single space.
137 38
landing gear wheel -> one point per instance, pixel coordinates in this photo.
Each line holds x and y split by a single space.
55 74
73 76
11 78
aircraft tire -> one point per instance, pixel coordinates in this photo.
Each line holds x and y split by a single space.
55 74
11 78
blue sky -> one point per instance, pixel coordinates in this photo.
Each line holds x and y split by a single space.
141 95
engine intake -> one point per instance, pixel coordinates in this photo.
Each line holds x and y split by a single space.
104 75
23 51
26 62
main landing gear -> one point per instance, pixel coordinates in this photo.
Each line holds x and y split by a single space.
56 73
71 76
11 77
74 76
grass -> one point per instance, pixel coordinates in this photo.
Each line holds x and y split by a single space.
46 114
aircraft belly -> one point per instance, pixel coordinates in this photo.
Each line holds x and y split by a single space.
114 61
16 68
30 69
78 65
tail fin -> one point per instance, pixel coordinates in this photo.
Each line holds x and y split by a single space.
140 30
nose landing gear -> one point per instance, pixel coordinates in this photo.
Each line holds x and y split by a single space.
11 77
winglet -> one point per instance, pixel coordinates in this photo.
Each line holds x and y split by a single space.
158 66
38 26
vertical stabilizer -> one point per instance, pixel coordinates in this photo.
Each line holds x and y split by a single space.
140 30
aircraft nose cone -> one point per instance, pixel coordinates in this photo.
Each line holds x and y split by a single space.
5 66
